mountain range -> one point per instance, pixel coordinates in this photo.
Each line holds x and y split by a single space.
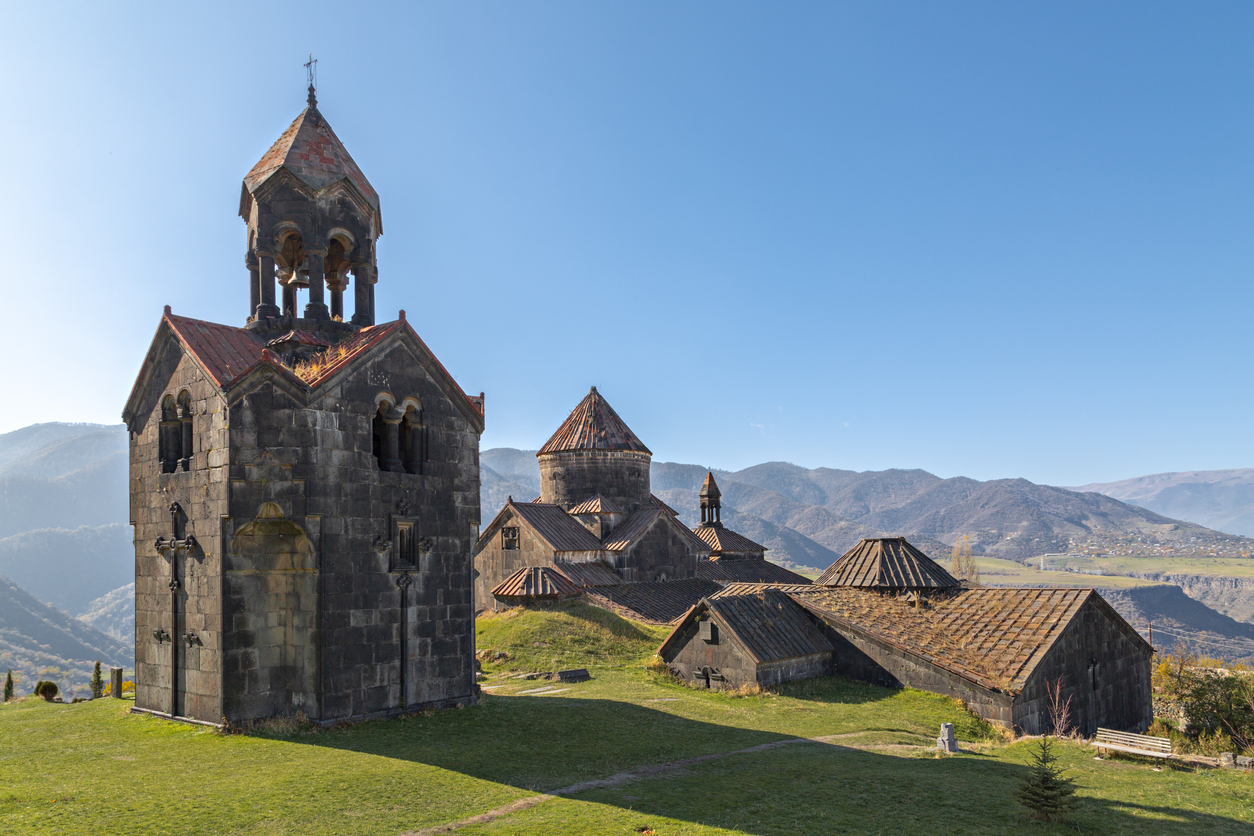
1219 499
67 560
808 517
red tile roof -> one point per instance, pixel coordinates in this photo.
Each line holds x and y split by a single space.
226 352
593 425
887 562
311 151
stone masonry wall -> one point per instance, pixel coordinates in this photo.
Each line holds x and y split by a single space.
201 493
664 553
571 476
316 464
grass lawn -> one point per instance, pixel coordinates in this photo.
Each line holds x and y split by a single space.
93 766
994 570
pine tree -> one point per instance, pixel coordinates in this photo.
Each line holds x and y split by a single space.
8 686
97 682
1044 790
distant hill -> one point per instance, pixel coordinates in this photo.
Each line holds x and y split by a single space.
1181 622
113 613
38 641
1219 499
810 516
63 476
70 568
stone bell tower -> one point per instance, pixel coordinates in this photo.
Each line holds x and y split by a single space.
304 489
313 219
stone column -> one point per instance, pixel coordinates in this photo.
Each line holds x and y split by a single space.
171 430
185 419
414 428
265 286
316 309
115 683
337 301
392 441
254 284
289 300
363 295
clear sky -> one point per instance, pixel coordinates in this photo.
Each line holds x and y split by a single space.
993 239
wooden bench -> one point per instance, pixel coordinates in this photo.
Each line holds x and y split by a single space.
1135 744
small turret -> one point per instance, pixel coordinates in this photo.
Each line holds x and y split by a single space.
711 502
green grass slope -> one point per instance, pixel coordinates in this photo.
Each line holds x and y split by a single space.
669 760
572 635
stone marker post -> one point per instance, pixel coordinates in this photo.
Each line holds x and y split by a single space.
947 742
115 682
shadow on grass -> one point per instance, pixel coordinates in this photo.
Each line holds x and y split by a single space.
544 744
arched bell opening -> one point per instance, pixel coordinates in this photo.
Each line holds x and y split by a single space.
413 437
337 266
292 263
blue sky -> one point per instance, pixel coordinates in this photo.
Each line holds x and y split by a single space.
994 240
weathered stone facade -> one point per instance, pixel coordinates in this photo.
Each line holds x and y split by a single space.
311 485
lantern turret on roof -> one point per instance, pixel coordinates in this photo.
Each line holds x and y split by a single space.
887 563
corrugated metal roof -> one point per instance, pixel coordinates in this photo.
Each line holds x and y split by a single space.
887 562
593 425
658 603
298 337
769 625
721 539
995 637
594 573
597 505
536 582
750 570
659 503
311 151
561 531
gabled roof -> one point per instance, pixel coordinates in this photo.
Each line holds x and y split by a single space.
311 151
227 354
536 582
747 571
597 505
562 532
994 637
709 488
721 539
642 521
768 624
591 573
593 425
658 602
887 562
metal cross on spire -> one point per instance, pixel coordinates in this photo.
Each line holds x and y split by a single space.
311 71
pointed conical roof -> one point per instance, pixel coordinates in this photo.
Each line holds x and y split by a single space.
709 488
593 425
887 563
311 151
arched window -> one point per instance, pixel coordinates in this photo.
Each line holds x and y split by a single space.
169 435
413 438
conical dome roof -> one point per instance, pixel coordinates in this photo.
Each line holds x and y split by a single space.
593 425
709 488
887 563
311 151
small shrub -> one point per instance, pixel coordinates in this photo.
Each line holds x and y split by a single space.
97 682
1044 790
47 689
